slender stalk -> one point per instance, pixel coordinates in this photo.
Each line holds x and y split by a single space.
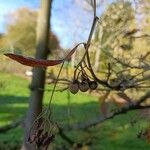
52 94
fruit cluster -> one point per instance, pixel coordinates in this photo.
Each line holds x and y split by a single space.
83 85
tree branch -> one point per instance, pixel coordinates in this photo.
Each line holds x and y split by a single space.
99 119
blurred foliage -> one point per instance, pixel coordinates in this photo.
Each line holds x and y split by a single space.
123 32
20 36
114 22
117 17
144 12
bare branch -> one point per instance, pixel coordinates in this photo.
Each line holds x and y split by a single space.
146 67
123 110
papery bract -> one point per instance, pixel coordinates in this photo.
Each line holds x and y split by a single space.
28 61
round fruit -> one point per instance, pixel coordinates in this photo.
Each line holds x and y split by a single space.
93 85
83 86
73 87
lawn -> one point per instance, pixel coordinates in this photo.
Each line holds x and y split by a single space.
115 134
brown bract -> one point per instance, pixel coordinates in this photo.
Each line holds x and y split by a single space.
28 61
33 62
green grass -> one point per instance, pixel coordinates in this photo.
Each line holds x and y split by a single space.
115 134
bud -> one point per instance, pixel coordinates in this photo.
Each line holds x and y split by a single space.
73 87
93 85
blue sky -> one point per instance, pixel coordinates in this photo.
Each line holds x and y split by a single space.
7 6
70 22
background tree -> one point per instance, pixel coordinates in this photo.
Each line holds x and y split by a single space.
142 40
38 79
20 34
114 22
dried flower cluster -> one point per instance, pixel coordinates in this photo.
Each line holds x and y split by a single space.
42 132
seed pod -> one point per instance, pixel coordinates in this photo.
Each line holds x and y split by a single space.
83 86
45 135
39 122
73 87
48 140
39 142
32 138
93 85
39 132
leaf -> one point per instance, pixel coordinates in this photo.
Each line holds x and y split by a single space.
28 61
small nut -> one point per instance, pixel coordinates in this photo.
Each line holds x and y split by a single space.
73 87
93 85
83 86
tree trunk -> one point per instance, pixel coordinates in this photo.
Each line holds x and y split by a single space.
97 59
38 79
73 59
98 51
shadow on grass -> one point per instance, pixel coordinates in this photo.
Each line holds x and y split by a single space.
12 107
11 99
110 135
